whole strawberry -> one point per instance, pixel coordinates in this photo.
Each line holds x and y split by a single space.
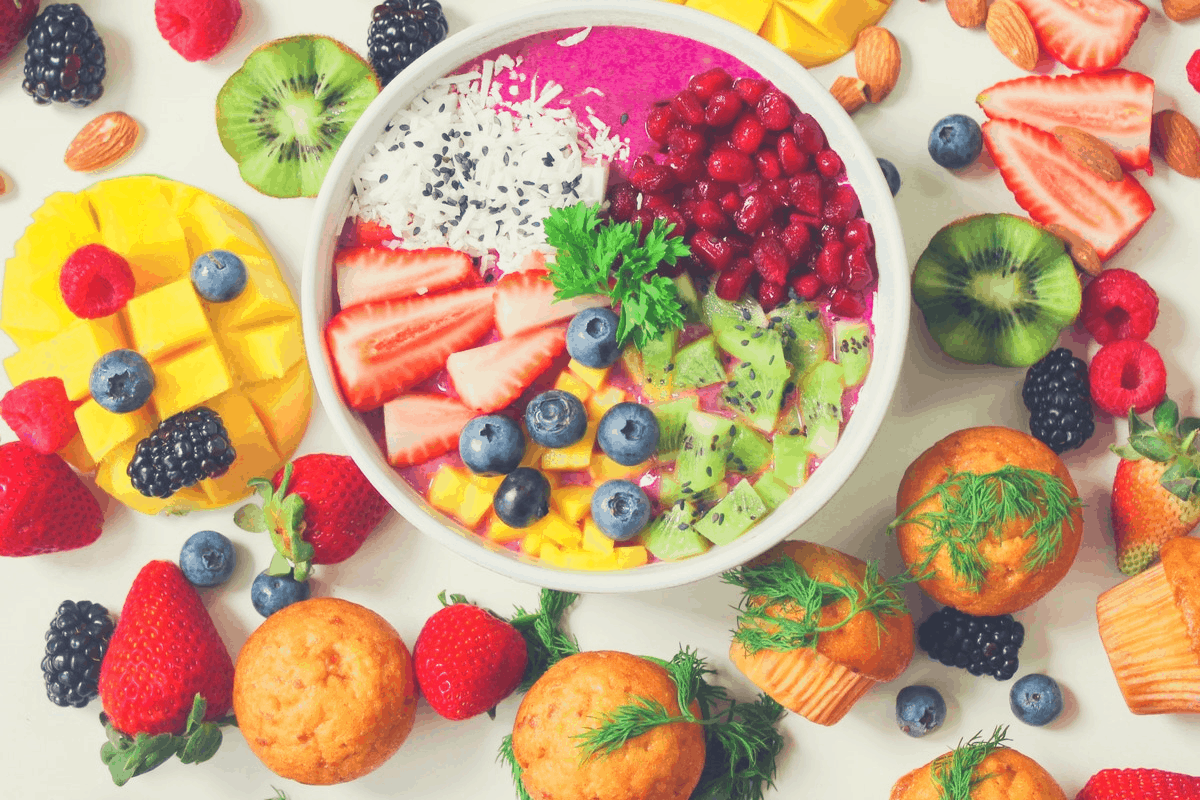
1140 784
1156 491
44 506
467 660
15 18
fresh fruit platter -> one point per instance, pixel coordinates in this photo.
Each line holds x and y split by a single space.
600 304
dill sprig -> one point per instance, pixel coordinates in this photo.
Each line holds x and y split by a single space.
509 757
778 591
954 772
977 506
545 643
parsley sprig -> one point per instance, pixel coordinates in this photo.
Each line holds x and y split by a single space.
954 772
600 257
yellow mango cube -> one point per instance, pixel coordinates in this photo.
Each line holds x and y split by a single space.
265 353
283 406
502 533
102 430
168 319
475 504
446 488
575 457
76 454
793 35
212 224
256 456
747 13
572 385
594 540
189 380
488 483
592 376
604 469
629 556
265 298
531 544
839 20
595 562
603 400
137 221
573 502
552 554
556 529
69 356
533 454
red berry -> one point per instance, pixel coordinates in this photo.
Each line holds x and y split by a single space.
778 190
659 123
95 282
732 281
796 239
768 164
40 414
711 251
830 263
807 193
747 133
688 106
1127 374
710 190
808 133
829 163
652 178
846 303
681 140
771 294
770 260
1140 784
723 108
623 202
858 232
733 166
341 507
1119 304
755 211
708 216
791 157
706 83
1193 70
807 286
686 167
672 216
750 89
44 506
773 110
858 273
842 207
197 29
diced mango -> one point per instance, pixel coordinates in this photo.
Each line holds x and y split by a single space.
189 380
212 224
592 376
500 532
594 539
629 556
488 483
573 502
552 554
603 400
533 454
572 385
575 457
446 488
747 13
284 406
475 504
77 455
556 529
581 559
256 456
531 544
137 221
70 355
604 469
265 298
167 319
838 20
264 353
102 430
789 32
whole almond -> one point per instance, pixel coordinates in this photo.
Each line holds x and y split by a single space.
1086 258
3 185
851 93
1090 152
877 61
967 13
1181 10
1012 34
103 142
1174 137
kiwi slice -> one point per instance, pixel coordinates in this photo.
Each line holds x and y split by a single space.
772 490
755 394
821 407
671 417
748 452
733 516
701 460
720 314
791 460
671 536
658 366
671 491
698 365
996 289
805 339
284 114
852 345
688 296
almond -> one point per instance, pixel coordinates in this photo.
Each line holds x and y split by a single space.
103 142
1181 10
877 61
967 13
1012 34
1090 152
1086 258
1174 137
851 93
3 184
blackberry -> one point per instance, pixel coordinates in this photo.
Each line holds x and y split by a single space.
65 59
401 31
1059 401
980 645
183 450
75 646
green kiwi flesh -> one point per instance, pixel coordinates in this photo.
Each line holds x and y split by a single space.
852 347
671 536
805 339
285 113
772 490
748 452
996 289
698 365
671 417
733 516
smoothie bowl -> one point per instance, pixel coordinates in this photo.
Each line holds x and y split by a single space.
606 296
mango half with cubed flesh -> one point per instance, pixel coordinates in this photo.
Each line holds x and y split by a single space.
244 358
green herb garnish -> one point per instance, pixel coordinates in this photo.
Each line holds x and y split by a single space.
599 257
978 506
783 588
509 757
545 643
954 773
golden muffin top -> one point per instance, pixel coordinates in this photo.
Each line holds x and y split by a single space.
1181 563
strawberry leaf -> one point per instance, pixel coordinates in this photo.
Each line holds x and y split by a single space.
1126 452
250 518
1188 441
1137 425
1189 426
1183 488
201 745
1166 416
1152 447
279 566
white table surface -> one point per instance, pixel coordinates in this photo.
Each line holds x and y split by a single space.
51 752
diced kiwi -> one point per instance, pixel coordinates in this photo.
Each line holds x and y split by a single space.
805 339
759 346
671 537
733 516
772 490
687 296
698 364
720 314
852 349
821 407
995 288
791 459
701 460
285 113
749 452
671 417
755 396
658 366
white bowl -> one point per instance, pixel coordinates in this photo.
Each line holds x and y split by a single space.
890 315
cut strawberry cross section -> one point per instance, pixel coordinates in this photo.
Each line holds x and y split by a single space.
488 378
525 300
419 427
368 274
1086 35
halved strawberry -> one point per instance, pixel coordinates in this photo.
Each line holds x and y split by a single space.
380 349
1055 188
525 300
369 232
1086 35
1114 106
488 378
419 427
367 274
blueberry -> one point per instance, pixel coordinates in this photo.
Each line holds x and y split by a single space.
592 338
955 141
628 433
523 498
219 276
121 381
269 593
556 419
620 509
491 445
919 710
891 174
207 558
1036 699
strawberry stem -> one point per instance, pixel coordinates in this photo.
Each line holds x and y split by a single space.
129 756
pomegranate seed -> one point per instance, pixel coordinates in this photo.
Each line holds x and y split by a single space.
808 133
807 194
659 122
797 240
750 89
672 216
687 167
771 294
623 202
858 232
708 216
846 303
652 178
710 190
688 106
710 251
672 270
829 163
740 243
756 210
706 83
657 201
644 218
768 164
770 260
733 166
779 190
680 140
644 160
791 157
747 133
807 286
750 187
730 202
829 233
733 280
842 207
723 108
857 274
806 219
830 262
773 110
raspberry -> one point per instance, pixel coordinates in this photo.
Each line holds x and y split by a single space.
197 29
1119 304
1193 70
95 282
40 414
1127 374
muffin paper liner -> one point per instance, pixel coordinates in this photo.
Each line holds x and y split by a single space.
805 682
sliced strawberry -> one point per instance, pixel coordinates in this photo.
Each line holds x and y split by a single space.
1055 188
419 427
369 232
1086 35
1114 106
490 377
525 300
368 274
380 349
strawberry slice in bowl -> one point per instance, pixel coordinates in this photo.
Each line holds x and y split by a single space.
488 378
525 300
421 426
1086 35
373 273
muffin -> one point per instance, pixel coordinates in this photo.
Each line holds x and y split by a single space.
323 691
988 558
820 676
1150 626
993 772
661 764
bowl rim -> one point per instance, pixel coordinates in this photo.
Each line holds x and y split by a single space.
329 214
